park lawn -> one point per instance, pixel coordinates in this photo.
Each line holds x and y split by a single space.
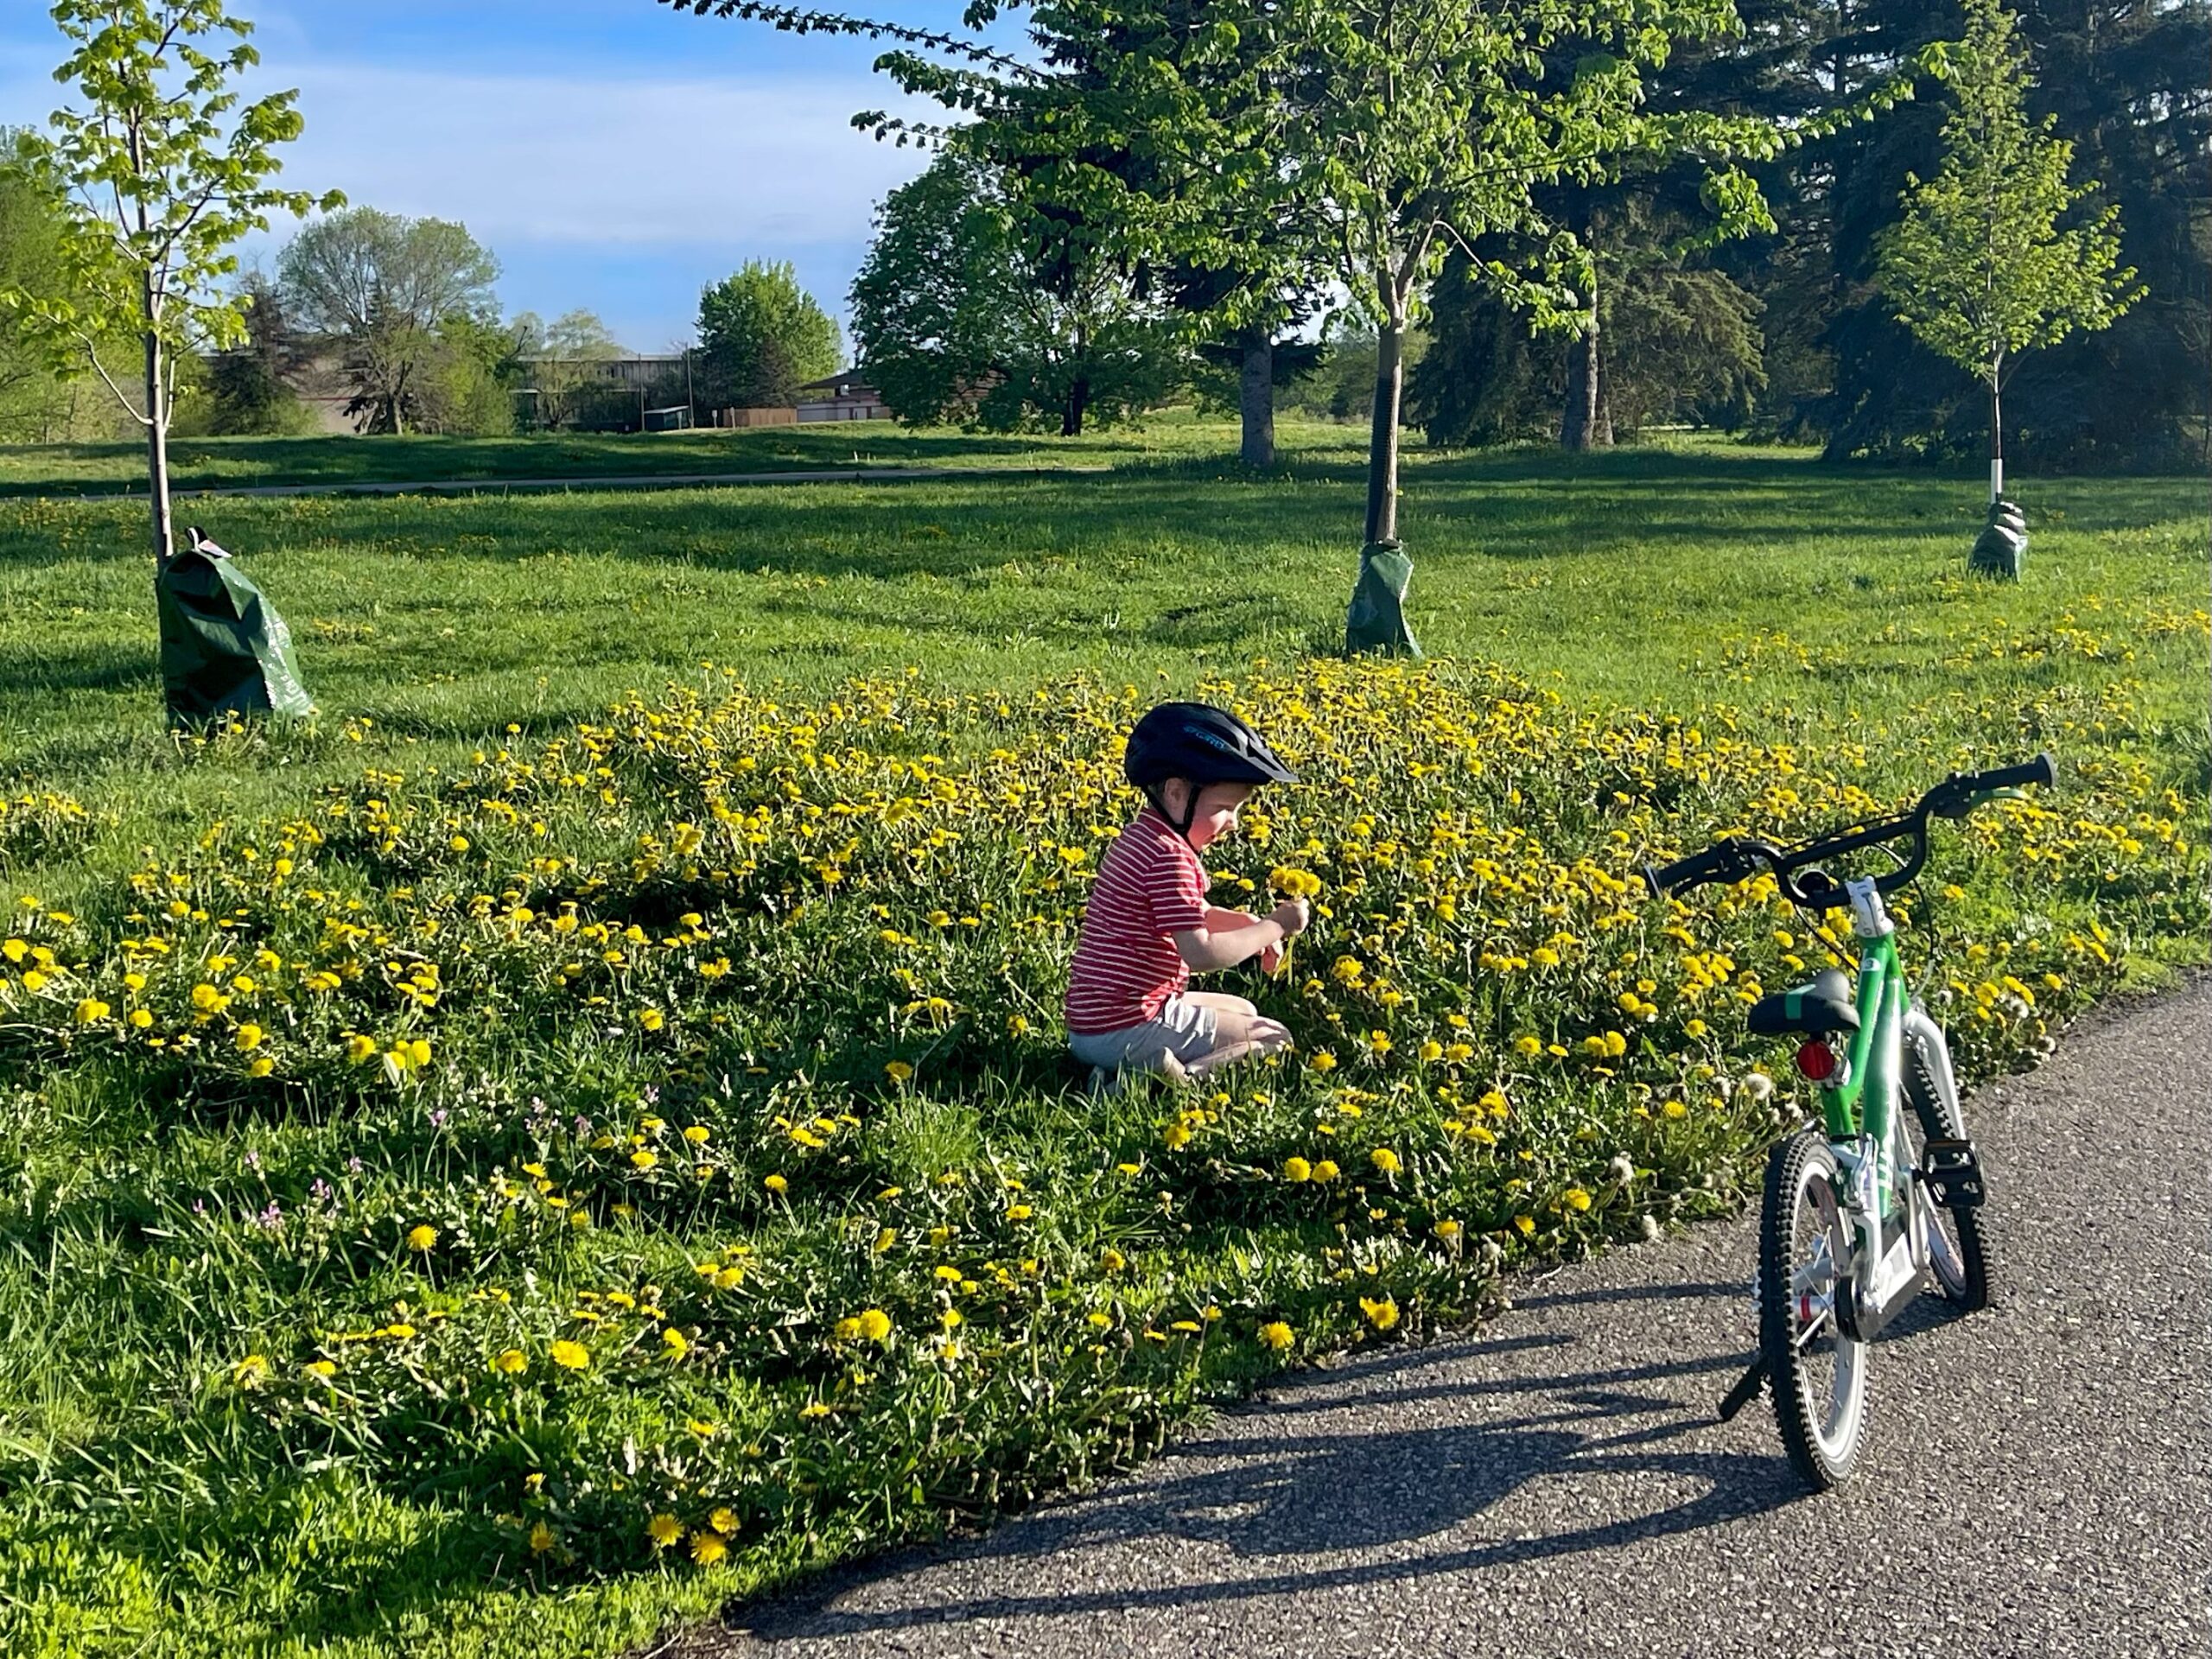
77 469
851 854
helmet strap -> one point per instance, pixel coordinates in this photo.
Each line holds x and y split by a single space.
1190 811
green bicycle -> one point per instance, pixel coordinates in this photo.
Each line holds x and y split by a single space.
1863 1212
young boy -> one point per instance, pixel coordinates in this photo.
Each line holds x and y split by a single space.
1129 1006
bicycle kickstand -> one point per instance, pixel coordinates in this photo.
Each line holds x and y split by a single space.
1746 1389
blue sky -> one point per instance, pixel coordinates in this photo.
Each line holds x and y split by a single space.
615 154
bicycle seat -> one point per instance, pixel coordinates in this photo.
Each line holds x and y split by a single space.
1815 1009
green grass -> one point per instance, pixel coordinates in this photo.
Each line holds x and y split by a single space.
198 463
1683 634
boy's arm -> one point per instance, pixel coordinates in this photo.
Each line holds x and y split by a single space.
1206 949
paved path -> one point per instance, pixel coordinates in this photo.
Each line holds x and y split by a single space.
2038 1480
604 481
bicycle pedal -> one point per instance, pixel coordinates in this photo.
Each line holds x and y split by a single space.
1746 1389
1951 1171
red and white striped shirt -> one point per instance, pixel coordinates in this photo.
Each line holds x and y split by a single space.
1150 887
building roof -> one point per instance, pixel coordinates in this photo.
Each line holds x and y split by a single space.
837 382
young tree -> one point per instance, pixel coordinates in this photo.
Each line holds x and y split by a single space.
956 318
164 173
559 358
761 337
1978 267
381 287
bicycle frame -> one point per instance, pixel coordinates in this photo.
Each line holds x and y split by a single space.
1860 1118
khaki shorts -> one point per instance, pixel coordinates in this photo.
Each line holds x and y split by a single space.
1181 1027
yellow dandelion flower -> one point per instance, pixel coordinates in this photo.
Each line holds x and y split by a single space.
875 1325
1297 1169
422 1237
1385 1161
571 1356
663 1530
1324 1169
1381 1314
541 1538
709 1547
1276 1335
511 1362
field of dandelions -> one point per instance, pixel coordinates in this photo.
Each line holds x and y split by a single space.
638 1159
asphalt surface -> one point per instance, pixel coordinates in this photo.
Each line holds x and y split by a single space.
2038 1478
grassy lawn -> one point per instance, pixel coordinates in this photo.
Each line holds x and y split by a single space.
95 468
579 1133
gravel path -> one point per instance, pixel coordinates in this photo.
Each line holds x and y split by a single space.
2038 1478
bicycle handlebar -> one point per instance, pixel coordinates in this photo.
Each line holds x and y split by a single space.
1740 857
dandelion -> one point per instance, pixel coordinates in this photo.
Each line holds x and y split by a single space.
1276 1335
698 1135
251 1372
1325 1170
510 1361
1018 1212
541 1538
1322 1060
776 1184
875 1325
1385 1161
898 1070
1575 1199
90 1011
663 1530
643 1158
421 1238
724 1521
709 1547
1381 1314
571 1356
675 1341
1297 1169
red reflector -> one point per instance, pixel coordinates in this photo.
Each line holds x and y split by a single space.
1817 1060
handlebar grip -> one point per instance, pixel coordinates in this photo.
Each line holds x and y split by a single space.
1724 861
2041 770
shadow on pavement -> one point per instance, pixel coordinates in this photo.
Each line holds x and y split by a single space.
1321 1511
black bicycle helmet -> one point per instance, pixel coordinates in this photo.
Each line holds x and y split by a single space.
1202 744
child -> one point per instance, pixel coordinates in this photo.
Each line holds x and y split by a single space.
1147 926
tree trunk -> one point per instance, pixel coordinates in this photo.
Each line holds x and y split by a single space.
157 438
1996 440
1256 400
1383 438
1071 416
1586 423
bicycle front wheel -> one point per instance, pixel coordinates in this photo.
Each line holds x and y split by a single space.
1816 1372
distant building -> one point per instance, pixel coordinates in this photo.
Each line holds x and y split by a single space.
843 396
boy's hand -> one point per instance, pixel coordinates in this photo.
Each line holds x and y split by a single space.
1273 958
1292 916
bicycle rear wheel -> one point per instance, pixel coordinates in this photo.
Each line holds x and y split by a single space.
1958 1239
1816 1372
